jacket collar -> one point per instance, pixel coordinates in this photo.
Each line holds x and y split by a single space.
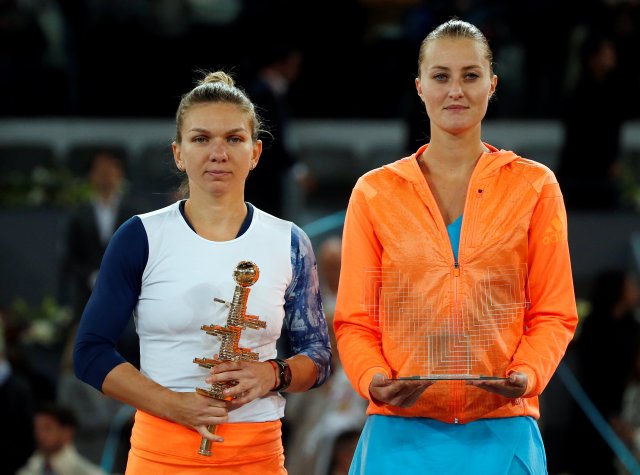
489 162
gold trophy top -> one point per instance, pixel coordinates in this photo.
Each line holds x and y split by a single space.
246 273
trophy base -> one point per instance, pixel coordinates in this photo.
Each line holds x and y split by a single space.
449 377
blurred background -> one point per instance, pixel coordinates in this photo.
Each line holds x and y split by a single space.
88 93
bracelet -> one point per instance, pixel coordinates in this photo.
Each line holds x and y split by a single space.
284 374
276 372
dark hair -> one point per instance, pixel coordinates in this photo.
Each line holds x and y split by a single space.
215 87
62 414
456 29
114 155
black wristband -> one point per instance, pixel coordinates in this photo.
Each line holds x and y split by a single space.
284 374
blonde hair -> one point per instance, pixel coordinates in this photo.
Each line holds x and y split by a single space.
456 29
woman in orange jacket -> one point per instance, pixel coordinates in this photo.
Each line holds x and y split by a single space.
456 300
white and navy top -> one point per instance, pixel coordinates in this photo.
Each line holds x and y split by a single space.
159 270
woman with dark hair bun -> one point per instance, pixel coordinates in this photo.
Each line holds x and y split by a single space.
166 268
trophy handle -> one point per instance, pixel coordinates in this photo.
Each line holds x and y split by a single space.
205 444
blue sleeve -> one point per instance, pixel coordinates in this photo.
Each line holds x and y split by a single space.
111 304
304 316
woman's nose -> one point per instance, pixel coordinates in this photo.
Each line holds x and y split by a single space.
456 89
218 151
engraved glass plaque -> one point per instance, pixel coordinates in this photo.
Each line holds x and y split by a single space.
465 341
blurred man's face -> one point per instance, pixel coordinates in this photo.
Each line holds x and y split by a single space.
330 261
50 435
106 173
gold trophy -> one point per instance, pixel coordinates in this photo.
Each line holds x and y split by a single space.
245 274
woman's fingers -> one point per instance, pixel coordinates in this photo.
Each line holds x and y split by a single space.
208 432
395 392
513 387
245 380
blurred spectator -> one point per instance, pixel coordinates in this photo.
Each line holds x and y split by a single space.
269 91
56 454
343 448
629 423
329 258
89 230
93 411
607 346
16 414
589 169
28 358
92 224
317 418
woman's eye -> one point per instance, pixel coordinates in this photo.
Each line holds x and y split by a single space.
440 77
472 76
199 139
235 139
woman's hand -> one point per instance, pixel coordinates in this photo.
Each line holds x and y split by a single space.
253 380
197 411
513 387
397 393
190 409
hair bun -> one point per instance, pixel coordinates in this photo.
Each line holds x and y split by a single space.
218 76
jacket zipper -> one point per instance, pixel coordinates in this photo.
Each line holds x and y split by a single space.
456 384
468 219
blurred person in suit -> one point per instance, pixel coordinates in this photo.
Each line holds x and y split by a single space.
92 224
269 90
590 163
88 232
54 428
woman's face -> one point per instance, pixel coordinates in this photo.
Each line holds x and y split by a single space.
217 150
455 84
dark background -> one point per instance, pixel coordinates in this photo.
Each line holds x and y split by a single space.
134 58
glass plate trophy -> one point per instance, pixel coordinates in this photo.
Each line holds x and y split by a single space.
245 274
466 344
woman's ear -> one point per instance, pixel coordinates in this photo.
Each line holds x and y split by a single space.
257 151
177 156
419 89
494 84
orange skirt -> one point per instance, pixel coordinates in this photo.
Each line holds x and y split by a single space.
163 447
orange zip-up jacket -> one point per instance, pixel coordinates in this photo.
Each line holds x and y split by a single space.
405 307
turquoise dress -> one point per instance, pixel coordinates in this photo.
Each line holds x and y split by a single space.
417 445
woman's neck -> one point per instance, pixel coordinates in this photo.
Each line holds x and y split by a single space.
216 220
449 153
